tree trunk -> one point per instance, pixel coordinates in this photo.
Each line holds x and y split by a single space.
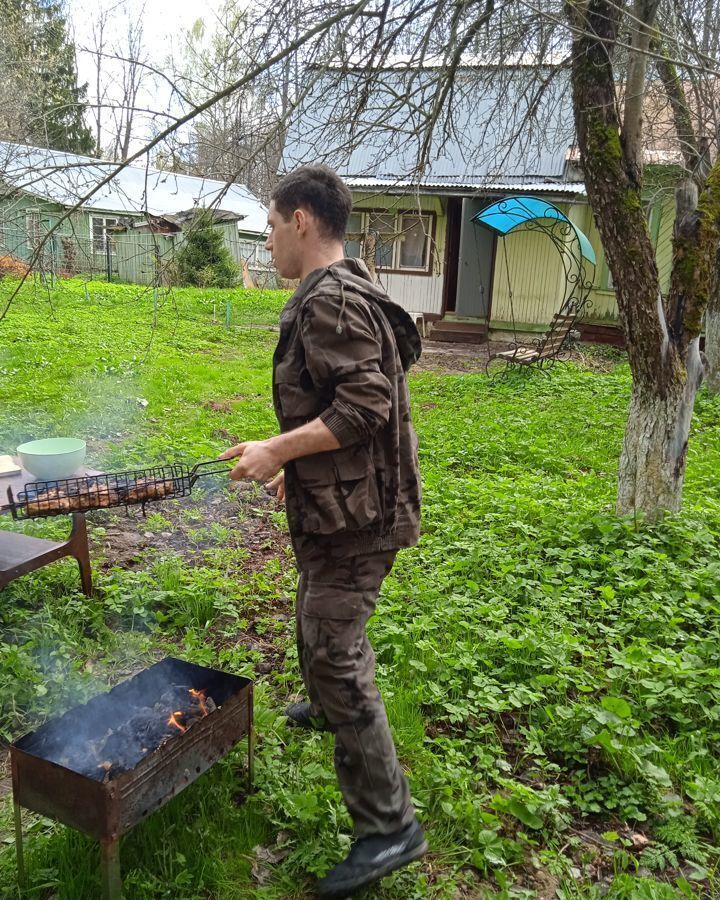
652 463
662 338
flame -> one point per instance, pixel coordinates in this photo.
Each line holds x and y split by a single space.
174 720
178 717
200 697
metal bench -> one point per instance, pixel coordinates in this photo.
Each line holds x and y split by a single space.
544 352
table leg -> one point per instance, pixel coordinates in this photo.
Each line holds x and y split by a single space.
81 551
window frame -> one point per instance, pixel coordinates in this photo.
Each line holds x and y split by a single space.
397 215
104 219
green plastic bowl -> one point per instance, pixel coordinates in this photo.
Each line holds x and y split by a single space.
52 458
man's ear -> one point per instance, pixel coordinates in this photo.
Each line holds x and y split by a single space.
300 217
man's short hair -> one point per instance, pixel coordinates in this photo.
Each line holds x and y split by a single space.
320 191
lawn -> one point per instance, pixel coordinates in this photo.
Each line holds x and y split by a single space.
552 673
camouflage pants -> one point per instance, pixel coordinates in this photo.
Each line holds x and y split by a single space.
335 599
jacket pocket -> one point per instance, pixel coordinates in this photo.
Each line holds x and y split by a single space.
338 491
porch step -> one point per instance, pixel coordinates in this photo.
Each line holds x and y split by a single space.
459 332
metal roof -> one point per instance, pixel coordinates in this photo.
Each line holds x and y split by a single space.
66 177
499 125
476 187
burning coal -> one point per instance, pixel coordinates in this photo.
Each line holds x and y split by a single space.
123 744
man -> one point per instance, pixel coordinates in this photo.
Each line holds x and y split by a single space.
346 465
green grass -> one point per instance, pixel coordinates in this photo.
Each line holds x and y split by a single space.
552 673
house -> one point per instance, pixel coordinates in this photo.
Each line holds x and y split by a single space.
511 132
38 187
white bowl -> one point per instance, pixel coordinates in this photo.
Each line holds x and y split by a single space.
52 458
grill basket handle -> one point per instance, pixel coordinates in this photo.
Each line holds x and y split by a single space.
221 468
12 504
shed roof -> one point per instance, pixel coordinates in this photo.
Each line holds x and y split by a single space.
507 126
170 223
65 177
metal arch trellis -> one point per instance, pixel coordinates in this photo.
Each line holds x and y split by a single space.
577 258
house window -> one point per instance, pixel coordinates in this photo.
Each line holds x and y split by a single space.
100 225
401 242
414 242
381 227
606 279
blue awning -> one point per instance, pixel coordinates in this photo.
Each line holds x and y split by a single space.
505 215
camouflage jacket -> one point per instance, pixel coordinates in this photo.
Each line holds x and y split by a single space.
342 354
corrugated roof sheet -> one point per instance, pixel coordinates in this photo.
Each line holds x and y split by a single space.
513 124
523 58
65 177
528 186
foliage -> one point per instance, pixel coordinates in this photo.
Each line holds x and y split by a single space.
550 670
203 259
42 102
240 137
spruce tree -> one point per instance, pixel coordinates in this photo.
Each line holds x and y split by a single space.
203 259
42 103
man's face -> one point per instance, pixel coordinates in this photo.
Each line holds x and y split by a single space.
285 241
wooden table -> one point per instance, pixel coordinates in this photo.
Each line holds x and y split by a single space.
20 553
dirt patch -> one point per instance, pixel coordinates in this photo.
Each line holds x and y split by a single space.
599 357
218 406
225 405
452 358
238 517
546 885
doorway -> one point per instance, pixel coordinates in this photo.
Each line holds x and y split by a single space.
475 260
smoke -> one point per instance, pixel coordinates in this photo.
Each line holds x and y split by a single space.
114 730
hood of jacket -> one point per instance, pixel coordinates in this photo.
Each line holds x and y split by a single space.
353 275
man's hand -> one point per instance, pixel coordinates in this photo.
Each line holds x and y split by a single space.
258 460
262 460
277 486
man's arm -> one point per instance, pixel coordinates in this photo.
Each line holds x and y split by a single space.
261 460
342 352
344 356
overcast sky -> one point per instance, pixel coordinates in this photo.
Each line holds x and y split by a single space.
164 25
163 20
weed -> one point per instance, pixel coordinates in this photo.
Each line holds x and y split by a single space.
547 667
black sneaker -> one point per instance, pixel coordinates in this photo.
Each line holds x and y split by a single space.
372 858
299 716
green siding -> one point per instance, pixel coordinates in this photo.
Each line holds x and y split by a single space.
25 220
664 248
142 256
134 256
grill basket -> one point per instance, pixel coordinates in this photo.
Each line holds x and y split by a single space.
139 486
